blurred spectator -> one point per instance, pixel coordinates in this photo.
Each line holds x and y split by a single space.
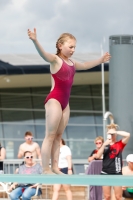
98 142
65 166
2 157
27 190
128 170
112 158
29 145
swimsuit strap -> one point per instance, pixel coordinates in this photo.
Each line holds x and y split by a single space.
66 62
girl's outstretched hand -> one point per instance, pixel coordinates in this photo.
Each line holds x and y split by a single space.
32 35
106 57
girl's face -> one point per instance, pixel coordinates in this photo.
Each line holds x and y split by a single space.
67 48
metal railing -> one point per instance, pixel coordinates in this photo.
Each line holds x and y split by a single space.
10 165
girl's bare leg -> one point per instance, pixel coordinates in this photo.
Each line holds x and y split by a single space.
53 118
56 189
68 192
56 144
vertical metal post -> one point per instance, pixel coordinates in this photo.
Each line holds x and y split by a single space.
103 95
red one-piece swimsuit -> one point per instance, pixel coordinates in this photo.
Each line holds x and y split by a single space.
63 82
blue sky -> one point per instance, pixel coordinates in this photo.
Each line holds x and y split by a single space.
88 20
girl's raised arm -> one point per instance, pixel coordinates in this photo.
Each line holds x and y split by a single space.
46 56
90 64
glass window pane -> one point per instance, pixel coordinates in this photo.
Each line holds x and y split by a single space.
81 132
39 116
81 149
15 116
107 90
97 104
38 102
40 131
99 118
19 100
107 104
41 90
83 90
80 103
78 168
1 132
99 130
15 131
96 90
15 90
81 118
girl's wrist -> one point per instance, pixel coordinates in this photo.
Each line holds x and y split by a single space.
102 60
35 41
69 169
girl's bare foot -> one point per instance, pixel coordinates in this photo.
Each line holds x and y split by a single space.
57 171
48 172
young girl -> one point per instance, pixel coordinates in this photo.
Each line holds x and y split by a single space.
57 102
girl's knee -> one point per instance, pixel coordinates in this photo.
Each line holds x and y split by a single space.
50 136
66 188
107 196
56 188
58 136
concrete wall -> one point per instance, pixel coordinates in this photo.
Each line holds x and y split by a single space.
121 89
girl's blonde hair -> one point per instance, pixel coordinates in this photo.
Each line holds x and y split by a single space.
112 126
63 38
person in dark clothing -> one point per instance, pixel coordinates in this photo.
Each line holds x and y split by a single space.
98 142
112 158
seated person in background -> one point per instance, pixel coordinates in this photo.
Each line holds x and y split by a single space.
98 142
128 170
2 157
26 190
